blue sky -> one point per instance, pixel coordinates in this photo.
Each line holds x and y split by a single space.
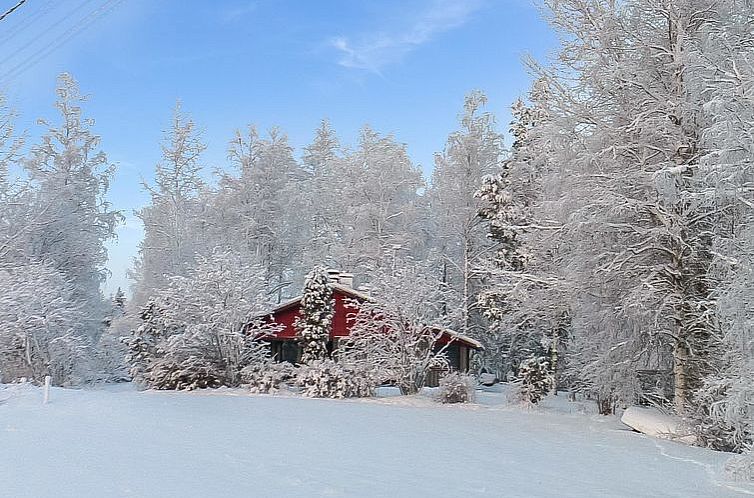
403 66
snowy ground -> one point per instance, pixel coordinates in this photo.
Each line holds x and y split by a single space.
120 442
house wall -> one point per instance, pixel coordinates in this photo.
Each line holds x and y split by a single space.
342 320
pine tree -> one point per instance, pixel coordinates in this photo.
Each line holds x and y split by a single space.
119 300
315 322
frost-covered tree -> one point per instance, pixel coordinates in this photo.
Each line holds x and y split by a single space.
314 324
172 220
73 218
725 416
323 186
397 336
457 233
18 218
119 300
202 329
520 300
630 101
258 208
381 205
43 330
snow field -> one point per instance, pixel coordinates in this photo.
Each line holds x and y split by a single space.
122 442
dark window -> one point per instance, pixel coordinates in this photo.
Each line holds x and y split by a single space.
285 351
290 352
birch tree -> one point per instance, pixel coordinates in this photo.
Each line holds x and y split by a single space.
382 204
457 232
258 209
638 227
73 218
396 336
173 219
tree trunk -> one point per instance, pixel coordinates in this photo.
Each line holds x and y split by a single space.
681 376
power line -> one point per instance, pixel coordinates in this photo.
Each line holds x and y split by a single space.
34 39
27 21
61 40
10 11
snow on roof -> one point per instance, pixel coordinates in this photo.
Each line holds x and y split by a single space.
342 288
463 338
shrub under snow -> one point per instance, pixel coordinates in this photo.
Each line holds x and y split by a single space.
328 379
267 377
457 388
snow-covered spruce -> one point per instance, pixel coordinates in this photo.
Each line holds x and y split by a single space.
534 379
314 324
457 388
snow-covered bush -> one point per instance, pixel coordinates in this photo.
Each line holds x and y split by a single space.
725 414
457 388
329 379
267 377
314 324
202 329
535 381
188 373
741 467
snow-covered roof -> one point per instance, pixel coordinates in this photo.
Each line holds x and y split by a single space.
342 288
463 338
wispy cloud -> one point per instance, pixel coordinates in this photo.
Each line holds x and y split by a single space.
237 12
373 51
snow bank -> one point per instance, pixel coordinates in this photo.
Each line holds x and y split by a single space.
653 422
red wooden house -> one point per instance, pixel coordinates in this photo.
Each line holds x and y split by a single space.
285 347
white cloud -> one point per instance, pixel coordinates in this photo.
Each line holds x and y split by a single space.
373 51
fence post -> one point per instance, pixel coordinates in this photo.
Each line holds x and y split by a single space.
47 389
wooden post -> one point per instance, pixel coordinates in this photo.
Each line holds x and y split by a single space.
47 389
